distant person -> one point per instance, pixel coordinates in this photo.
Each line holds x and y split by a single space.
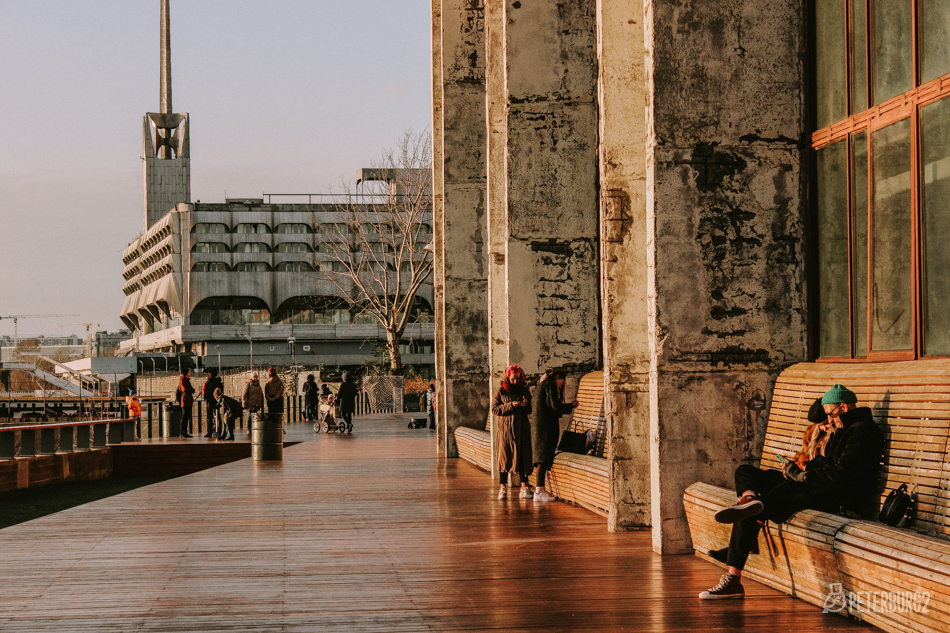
134 407
252 398
230 410
185 399
430 405
325 390
212 384
274 393
346 396
311 399
547 428
512 405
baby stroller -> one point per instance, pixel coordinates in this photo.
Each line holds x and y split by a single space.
329 420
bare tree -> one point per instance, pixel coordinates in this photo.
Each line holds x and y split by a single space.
375 254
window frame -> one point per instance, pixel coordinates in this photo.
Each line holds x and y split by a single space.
906 105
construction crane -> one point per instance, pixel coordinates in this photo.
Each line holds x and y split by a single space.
17 317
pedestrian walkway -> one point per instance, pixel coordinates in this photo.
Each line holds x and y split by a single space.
369 532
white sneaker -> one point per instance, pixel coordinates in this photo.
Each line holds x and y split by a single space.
540 494
526 492
503 491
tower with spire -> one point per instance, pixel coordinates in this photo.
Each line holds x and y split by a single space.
166 144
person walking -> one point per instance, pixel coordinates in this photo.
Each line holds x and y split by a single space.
547 427
252 398
212 384
311 399
230 410
347 398
430 405
274 393
512 405
186 398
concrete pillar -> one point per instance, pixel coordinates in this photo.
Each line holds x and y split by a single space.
543 114
461 237
725 230
621 97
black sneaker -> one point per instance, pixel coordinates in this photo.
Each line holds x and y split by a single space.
747 506
729 588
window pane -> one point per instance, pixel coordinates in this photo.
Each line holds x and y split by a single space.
831 79
859 250
859 61
891 295
934 39
935 216
892 62
832 202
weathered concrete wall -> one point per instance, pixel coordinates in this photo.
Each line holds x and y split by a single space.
725 233
463 231
622 98
551 185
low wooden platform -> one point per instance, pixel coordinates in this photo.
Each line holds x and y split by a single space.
369 532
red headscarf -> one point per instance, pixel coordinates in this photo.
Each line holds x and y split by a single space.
514 376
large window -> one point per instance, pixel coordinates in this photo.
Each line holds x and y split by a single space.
210 247
294 247
249 227
251 247
882 162
230 311
313 311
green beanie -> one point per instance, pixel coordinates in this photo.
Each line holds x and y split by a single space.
839 394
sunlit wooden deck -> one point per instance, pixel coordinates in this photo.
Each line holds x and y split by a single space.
370 532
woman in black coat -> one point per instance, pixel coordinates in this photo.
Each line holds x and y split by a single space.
547 427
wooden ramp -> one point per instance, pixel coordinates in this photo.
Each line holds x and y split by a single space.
370 532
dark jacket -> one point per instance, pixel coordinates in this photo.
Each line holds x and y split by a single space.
231 407
347 397
207 389
311 393
547 428
852 459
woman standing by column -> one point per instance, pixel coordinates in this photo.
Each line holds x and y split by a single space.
547 428
512 405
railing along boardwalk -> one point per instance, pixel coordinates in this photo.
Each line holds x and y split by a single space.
369 532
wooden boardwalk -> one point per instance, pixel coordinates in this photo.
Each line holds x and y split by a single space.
370 532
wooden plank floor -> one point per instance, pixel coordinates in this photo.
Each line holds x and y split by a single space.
370 532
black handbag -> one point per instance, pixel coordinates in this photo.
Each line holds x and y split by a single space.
573 442
896 506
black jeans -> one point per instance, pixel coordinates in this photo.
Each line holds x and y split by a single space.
780 499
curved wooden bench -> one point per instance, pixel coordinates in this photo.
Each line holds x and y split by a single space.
474 446
818 556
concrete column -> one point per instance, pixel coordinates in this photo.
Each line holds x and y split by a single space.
725 234
543 113
461 224
497 142
621 97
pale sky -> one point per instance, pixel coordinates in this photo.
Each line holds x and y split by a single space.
285 96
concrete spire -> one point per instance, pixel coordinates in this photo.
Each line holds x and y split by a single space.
166 104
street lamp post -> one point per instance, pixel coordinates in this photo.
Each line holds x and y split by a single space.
251 343
218 347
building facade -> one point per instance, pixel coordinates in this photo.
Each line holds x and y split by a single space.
691 196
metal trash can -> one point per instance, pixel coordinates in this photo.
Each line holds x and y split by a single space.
172 420
267 437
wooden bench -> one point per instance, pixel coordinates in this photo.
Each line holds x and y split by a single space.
824 557
474 445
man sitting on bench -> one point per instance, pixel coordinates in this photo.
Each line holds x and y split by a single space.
844 476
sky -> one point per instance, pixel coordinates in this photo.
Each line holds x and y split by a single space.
284 96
